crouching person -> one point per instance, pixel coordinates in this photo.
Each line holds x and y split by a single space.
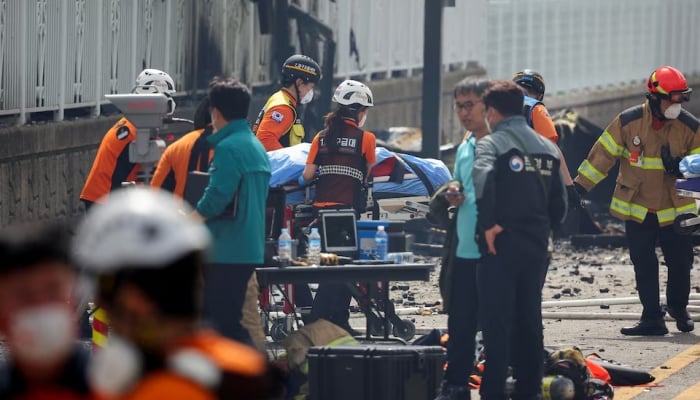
37 316
147 256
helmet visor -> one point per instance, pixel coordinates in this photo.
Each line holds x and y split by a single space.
679 96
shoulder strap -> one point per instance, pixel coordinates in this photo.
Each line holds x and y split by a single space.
689 120
631 114
199 158
528 158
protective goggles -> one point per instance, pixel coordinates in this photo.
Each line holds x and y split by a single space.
678 96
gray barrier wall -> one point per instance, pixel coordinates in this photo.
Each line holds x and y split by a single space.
43 167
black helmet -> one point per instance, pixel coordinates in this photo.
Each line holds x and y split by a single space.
530 80
301 67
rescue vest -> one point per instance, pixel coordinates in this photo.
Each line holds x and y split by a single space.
111 166
529 104
191 152
642 184
342 168
296 132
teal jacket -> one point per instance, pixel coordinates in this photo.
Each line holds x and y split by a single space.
466 213
240 164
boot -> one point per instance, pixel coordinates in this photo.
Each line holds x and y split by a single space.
683 321
646 327
449 391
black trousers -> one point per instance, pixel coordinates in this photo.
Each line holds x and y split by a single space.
678 253
224 293
462 322
510 310
332 303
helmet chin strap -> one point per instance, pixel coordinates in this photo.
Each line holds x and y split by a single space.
296 89
655 105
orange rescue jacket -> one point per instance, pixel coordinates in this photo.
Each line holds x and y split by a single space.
111 166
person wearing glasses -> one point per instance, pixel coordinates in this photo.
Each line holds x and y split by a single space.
649 140
463 304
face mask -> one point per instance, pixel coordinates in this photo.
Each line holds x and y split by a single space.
673 111
43 334
115 368
362 121
308 97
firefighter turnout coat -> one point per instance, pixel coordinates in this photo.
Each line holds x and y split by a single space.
642 185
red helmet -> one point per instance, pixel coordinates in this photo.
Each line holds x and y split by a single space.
670 84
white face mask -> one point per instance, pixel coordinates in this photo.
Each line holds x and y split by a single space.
43 334
308 97
673 111
362 121
115 368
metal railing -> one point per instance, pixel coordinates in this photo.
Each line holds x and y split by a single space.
58 55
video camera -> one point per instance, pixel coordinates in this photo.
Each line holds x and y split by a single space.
148 112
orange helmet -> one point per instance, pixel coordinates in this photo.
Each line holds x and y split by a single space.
670 84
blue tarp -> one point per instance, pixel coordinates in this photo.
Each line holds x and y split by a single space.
690 166
288 163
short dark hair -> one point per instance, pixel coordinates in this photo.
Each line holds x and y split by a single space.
506 97
471 84
230 96
26 246
202 116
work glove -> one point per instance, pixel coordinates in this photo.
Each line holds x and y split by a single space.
301 181
671 164
573 197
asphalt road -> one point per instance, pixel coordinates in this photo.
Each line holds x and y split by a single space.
674 359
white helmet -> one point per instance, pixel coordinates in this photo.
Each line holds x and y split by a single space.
154 81
137 227
351 92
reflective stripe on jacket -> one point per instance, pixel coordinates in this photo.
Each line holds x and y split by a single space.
296 132
642 184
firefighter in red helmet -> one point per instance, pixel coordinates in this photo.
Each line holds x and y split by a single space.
649 140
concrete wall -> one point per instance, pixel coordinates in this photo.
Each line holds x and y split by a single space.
43 166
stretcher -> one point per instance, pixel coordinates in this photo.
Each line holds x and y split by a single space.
399 190
689 166
400 182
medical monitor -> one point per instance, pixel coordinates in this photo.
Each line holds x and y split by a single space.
339 232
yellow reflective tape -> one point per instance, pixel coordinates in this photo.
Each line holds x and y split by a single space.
628 209
589 171
99 339
654 163
607 141
691 208
695 151
666 215
650 163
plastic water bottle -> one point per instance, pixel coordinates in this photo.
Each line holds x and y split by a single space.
284 246
314 247
381 241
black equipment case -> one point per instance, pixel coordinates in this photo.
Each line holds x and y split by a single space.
375 372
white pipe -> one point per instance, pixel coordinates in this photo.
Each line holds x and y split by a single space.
604 301
591 315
